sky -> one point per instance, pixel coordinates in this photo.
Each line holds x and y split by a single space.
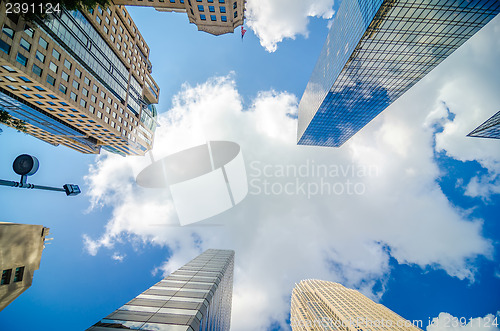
411 218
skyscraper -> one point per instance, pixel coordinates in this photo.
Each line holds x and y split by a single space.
81 79
213 16
322 305
21 247
195 297
376 51
489 129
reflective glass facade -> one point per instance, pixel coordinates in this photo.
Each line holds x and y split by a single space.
196 297
376 51
489 129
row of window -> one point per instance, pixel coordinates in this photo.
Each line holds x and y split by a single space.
211 9
7 275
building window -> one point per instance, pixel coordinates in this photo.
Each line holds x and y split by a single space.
222 9
93 98
105 30
8 31
22 59
200 8
18 275
95 88
222 1
91 109
67 64
103 95
100 10
43 43
203 17
223 18
78 73
235 14
85 92
87 81
213 18
63 88
40 57
37 70
76 85
4 47
53 67
98 19
115 20
73 96
26 45
6 277
29 31
211 9
65 76
83 103
51 80
56 55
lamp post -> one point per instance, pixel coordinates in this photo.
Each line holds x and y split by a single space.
27 165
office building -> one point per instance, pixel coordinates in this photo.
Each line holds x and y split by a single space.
322 305
81 79
376 51
21 247
489 129
196 297
213 16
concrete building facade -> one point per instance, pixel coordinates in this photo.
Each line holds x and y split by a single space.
81 79
21 247
213 16
323 305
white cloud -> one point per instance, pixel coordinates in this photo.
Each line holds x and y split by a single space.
448 322
273 21
282 238
118 257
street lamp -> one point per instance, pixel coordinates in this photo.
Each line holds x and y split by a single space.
27 165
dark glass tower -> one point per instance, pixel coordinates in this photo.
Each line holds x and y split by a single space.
375 51
196 297
489 129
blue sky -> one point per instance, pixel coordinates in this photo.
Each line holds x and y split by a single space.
421 239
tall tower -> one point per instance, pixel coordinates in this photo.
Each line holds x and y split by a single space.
21 247
375 51
489 129
322 305
80 79
195 297
213 16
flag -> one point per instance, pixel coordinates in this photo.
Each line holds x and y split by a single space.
242 32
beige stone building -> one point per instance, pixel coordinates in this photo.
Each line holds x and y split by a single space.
213 16
322 305
82 79
21 247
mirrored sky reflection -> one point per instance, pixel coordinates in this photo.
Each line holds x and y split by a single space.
421 237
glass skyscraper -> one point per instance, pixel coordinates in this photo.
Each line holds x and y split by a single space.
81 79
489 129
375 51
322 305
196 297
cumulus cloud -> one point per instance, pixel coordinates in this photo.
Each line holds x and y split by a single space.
333 214
447 322
273 21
